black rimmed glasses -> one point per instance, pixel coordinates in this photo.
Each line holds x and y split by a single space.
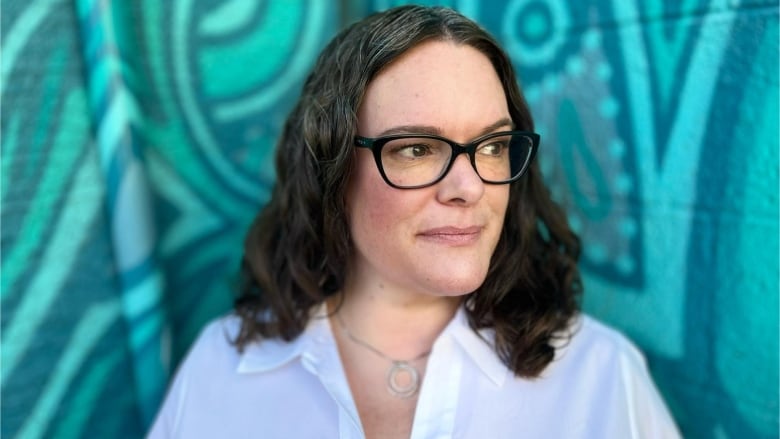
412 161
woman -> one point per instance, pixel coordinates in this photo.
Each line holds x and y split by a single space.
410 275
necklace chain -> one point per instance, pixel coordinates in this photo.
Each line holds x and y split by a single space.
397 367
366 345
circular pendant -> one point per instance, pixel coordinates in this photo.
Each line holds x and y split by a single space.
403 380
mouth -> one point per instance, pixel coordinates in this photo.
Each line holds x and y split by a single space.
456 236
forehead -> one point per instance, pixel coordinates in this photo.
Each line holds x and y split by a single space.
441 84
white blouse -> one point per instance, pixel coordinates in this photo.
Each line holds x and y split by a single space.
597 387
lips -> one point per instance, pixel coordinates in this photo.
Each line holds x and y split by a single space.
450 235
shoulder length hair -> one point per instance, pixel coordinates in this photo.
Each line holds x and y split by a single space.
298 249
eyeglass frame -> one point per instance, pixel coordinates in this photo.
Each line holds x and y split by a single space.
376 144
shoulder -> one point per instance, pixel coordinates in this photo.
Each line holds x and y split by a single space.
213 353
211 360
216 355
598 353
600 362
596 341
217 337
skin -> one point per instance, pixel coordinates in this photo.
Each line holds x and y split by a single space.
417 252
435 241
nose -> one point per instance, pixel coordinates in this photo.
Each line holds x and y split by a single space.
461 185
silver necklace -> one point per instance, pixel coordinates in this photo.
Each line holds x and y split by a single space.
397 369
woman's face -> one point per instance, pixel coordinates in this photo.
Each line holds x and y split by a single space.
437 240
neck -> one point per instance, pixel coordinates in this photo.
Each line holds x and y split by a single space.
402 326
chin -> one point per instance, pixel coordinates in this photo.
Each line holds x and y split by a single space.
459 286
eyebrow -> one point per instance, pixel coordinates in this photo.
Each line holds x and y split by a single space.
435 131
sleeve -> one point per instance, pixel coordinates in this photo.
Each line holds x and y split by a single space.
183 394
167 420
648 415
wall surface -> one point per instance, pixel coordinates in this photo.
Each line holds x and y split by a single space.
137 143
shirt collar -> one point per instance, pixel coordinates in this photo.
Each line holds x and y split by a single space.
272 353
478 346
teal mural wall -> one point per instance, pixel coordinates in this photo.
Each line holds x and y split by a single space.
136 146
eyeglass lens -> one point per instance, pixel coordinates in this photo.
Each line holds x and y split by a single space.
414 161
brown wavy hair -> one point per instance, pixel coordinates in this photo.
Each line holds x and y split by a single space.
298 249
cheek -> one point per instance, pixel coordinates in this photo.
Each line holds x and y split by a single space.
368 201
382 219
499 200
375 210
499 203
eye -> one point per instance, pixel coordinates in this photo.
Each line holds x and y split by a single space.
494 148
413 151
413 148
